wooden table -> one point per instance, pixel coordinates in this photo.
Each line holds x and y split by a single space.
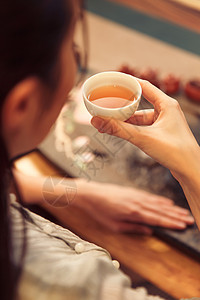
152 259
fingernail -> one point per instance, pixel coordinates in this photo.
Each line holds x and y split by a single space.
181 225
190 219
97 122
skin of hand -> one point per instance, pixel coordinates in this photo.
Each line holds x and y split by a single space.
163 134
127 209
120 209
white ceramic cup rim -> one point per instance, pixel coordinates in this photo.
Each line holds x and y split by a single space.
117 75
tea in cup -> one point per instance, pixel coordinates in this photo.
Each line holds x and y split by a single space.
112 94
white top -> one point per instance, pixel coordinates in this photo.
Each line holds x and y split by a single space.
61 266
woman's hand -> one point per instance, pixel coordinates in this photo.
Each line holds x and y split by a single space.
162 133
118 208
126 209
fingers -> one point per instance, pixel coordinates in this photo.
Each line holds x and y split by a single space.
160 216
153 219
153 94
145 117
179 211
155 210
159 204
142 117
147 218
173 213
117 128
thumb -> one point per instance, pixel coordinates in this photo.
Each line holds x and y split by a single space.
129 132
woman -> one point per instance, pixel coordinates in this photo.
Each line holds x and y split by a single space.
163 133
37 70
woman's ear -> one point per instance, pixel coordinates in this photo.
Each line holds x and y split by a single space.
21 105
20 115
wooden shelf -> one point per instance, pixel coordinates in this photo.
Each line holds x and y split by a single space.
181 12
194 4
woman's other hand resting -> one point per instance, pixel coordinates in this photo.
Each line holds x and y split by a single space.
127 209
162 133
120 209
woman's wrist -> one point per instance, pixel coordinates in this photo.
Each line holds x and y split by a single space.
190 183
86 192
188 173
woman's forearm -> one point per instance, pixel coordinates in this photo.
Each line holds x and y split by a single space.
191 187
56 191
192 194
118 208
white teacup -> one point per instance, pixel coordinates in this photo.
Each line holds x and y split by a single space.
110 78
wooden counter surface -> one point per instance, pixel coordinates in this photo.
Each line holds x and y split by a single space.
182 12
156 261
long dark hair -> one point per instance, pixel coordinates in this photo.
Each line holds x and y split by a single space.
31 33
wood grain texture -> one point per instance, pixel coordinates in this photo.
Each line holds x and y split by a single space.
195 4
166 267
184 13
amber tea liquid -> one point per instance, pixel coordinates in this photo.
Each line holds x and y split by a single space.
111 96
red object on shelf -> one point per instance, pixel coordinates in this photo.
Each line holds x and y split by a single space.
192 90
150 75
126 69
170 84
